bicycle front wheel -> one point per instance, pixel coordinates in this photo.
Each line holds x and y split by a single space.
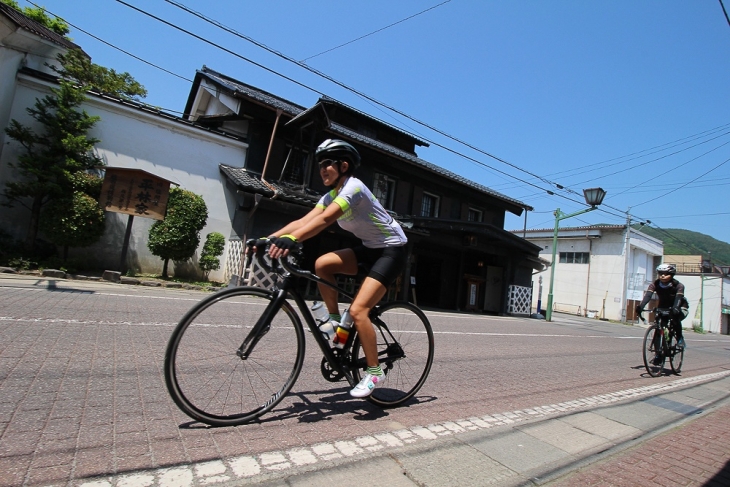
653 351
205 376
676 356
405 352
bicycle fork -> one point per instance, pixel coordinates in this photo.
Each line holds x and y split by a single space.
262 326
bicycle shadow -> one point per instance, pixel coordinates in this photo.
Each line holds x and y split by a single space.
665 372
314 406
52 286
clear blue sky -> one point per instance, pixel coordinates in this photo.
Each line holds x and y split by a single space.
629 95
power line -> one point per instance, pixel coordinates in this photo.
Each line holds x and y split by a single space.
725 12
357 92
677 167
689 182
320 93
650 151
374 32
688 216
658 158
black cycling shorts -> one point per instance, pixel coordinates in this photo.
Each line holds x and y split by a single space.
382 264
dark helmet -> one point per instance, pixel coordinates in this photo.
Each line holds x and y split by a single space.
666 269
340 150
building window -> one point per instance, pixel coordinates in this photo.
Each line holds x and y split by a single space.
430 205
384 190
574 257
475 215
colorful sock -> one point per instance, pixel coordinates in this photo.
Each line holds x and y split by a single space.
375 370
336 317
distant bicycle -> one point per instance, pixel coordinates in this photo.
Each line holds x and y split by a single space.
235 355
660 344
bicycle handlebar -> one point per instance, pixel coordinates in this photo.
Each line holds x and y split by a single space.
658 311
287 263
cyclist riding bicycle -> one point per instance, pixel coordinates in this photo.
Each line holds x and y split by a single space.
671 295
382 252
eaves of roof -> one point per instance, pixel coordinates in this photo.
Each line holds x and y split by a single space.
237 87
326 100
286 192
568 229
134 105
34 27
382 147
250 183
496 234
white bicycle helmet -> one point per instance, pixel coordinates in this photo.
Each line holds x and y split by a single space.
338 149
666 269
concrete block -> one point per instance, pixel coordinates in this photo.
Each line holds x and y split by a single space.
112 276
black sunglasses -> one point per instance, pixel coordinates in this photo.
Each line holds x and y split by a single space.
664 273
326 163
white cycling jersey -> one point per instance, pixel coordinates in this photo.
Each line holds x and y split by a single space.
364 216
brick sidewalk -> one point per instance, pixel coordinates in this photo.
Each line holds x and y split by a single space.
696 453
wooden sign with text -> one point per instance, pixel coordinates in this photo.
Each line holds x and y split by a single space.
134 192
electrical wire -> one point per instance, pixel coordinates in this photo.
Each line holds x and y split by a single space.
544 180
357 92
374 32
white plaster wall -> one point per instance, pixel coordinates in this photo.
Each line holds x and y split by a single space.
598 286
710 290
131 139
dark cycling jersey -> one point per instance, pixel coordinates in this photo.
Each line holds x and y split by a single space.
670 295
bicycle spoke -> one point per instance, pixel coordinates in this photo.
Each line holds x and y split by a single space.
205 376
408 329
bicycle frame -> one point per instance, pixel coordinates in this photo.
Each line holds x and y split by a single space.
283 292
663 322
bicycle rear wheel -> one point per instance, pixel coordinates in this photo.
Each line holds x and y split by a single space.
676 355
207 379
405 351
653 351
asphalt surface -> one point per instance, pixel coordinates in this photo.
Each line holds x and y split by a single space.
60 420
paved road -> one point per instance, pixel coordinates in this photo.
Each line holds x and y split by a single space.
82 394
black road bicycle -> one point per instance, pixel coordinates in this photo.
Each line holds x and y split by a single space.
236 354
660 344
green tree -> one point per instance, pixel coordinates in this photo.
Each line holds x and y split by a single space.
77 221
52 157
77 67
212 249
39 15
178 235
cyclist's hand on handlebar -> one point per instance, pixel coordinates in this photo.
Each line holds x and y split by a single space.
280 246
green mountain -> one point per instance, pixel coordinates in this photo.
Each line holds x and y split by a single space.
686 242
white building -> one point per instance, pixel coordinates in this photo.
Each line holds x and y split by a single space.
707 289
601 270
131 136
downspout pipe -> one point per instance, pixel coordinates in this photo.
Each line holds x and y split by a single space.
268 155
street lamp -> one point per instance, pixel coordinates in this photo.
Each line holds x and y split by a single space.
594 197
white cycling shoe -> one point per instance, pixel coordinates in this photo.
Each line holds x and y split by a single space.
367 385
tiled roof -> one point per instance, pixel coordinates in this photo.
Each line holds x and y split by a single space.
32 26
252 92
342 130
294 110
136 105
568 229
332 101
287 192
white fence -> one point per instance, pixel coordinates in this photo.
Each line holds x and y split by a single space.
520 300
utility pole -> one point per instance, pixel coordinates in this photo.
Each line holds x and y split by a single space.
627 250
